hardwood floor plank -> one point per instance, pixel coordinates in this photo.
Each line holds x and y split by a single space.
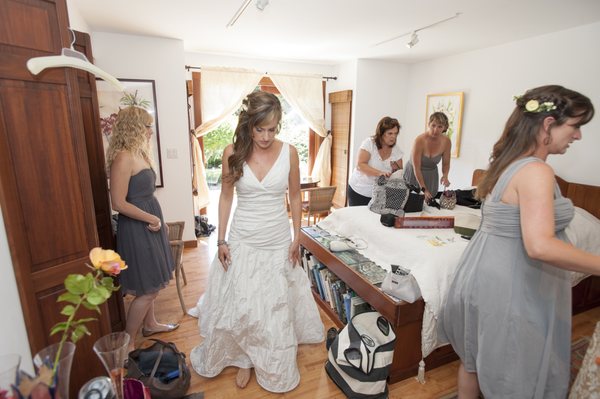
314 381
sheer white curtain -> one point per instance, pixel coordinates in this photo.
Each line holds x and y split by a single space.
305 94
223 90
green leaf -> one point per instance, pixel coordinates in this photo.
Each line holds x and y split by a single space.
69 297
98 295
78 284
68 310
108 283
58 327
89 306
81 321
79 332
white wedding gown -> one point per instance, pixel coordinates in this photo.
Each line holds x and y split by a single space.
256 313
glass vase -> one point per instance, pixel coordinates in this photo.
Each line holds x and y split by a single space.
47 356
112 351
9 365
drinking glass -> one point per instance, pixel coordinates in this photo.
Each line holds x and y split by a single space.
112 351
47 356
9 365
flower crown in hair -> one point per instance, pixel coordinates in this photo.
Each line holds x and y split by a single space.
244 106
534 106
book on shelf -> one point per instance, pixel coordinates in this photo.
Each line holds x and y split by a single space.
347 306
358 305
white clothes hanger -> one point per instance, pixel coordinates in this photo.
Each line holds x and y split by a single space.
73 59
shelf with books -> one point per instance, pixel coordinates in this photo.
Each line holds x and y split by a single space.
405 318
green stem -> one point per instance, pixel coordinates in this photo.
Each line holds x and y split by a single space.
68 328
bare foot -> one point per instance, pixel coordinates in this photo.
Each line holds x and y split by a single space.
243 377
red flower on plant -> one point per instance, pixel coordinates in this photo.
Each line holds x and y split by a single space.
107 123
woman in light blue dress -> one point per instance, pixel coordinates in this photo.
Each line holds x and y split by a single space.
508 310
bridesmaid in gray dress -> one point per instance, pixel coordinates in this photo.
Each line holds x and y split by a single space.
429 148
141 235
508 310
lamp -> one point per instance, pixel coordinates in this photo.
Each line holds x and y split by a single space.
262 4
414 39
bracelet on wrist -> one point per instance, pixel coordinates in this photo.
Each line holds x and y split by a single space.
221 242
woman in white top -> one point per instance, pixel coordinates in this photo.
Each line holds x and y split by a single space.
378 156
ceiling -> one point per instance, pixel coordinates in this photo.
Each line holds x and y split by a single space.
334 31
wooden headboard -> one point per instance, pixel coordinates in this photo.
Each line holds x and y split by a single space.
582 195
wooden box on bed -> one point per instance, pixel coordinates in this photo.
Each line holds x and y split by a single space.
406 318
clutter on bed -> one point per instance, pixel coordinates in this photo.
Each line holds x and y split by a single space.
389 196
448 199
424 222
400 284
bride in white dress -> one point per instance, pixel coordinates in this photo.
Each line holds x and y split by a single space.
258 304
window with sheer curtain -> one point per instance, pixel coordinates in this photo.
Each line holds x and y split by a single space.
222 91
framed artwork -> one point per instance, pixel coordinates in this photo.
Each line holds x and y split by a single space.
450 104
137 92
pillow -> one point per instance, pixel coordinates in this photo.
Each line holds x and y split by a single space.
584 233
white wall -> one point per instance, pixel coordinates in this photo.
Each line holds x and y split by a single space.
13 337
490 77
161 60
380 91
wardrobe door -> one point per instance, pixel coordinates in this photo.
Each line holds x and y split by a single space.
45 191
97 167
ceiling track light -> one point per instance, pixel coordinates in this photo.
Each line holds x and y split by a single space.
414 39
260 4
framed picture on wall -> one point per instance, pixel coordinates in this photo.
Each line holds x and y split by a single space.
450 104
137 92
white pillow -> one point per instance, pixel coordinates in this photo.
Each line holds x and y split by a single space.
584 233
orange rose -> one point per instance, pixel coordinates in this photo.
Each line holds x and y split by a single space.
107 260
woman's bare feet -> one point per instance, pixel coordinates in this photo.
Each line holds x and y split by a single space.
243 377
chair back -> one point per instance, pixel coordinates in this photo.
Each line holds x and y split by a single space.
320 199
176 230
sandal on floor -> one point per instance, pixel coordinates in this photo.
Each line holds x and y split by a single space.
169 327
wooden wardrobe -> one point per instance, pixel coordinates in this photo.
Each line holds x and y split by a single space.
53 188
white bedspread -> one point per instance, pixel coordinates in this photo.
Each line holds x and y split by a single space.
431 254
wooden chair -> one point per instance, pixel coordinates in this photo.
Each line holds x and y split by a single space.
319 201
176 242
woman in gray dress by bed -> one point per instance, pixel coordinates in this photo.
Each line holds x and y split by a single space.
508 310
428 150
141 234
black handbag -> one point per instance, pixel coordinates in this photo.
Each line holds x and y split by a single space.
161 367
415 199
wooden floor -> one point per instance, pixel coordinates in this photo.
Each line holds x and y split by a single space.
311 358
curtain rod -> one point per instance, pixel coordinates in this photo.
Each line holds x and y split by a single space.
188 67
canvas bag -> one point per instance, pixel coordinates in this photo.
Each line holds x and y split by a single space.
156 366
360 356
401 284
389 196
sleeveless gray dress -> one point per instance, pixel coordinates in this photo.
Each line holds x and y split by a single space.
147 253
429 169
508 316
